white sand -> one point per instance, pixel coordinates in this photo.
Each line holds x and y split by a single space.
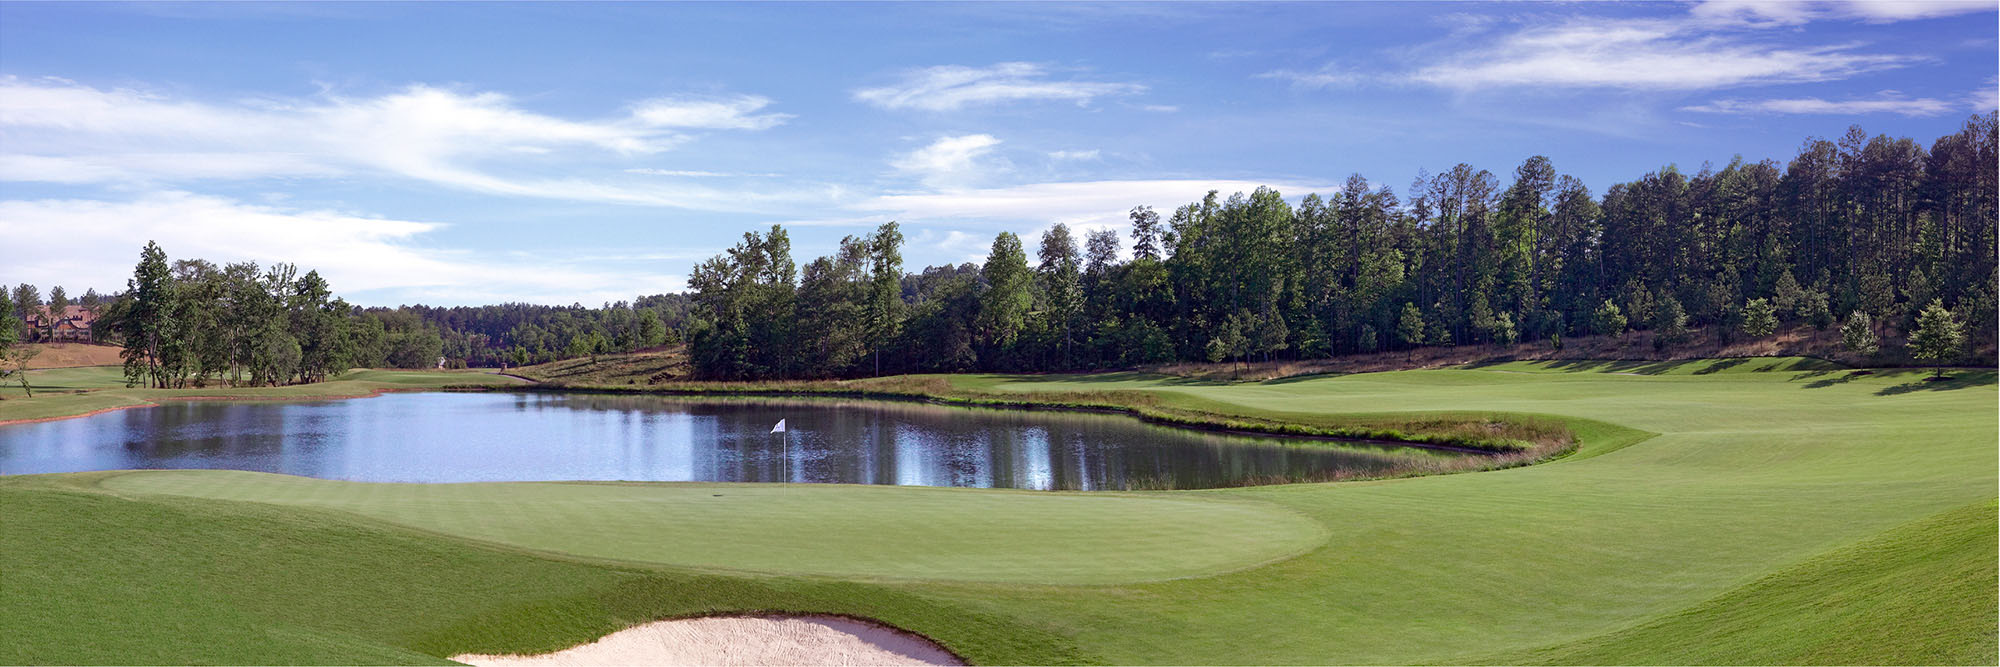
740 640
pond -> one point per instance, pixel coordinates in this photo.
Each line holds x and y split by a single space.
475 437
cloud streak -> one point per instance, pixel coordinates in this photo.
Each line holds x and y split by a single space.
1923 106
63 132
1648 54
90 242
949 162
953 87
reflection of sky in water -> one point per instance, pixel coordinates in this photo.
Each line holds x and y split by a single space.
446 437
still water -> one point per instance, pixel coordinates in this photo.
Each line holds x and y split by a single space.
473 437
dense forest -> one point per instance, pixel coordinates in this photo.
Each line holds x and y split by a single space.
1871 234
1878 236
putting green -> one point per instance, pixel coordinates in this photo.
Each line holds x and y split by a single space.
867 532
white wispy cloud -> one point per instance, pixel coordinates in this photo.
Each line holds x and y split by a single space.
1987 98
1645 54
694 173
93 243
61 131
1766 12
950 87
1074 156
949 162
1922 106
735 113
1325 77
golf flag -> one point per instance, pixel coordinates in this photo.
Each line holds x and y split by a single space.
780 428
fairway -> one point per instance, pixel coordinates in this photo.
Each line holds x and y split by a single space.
1716 511
867 532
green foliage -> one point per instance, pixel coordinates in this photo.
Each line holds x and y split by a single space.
1608 320
1760 318
1939 337
1410 326
1858 334
148 325
1669 324
1008 294
1814 309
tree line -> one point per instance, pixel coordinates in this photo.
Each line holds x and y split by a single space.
1875 234
1878 236
189 323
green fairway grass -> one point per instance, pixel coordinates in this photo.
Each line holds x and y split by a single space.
896 532
1716 511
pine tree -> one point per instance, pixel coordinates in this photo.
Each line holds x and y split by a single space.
1608 320
1759 318
1938 337
147 325
1410 327
1669 324
1858 334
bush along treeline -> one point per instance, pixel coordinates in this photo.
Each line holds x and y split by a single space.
1874 235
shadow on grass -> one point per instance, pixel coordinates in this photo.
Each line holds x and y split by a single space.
1954 379
1115 376
1629 366
1824 381
1302 378
1721 365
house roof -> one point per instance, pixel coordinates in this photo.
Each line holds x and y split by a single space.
76 316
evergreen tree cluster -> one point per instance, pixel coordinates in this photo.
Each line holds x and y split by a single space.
1866 229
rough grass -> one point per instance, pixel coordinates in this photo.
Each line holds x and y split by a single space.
1713 512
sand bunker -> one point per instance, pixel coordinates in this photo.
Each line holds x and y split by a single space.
740 640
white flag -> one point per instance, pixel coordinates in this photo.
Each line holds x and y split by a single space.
780 428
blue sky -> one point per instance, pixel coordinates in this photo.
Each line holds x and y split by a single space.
458 153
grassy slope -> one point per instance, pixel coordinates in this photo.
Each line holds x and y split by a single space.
1909 592
1606 556
61 392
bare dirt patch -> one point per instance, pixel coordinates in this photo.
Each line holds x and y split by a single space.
73 355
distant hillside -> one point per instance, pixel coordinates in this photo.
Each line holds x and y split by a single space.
643 367
73 355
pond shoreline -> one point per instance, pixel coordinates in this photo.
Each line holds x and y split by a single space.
1030 406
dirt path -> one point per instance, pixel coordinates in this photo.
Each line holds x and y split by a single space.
740 640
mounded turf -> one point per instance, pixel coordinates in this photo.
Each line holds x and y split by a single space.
867 532
1718 511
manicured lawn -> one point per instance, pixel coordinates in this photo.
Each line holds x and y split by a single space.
869 532
1718 511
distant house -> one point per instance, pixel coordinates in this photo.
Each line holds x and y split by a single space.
72 325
